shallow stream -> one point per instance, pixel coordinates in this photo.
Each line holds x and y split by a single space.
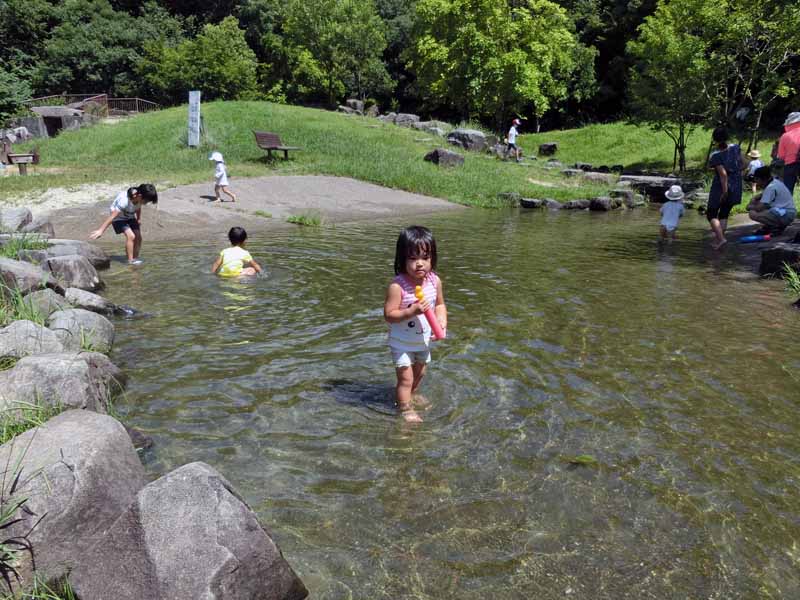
609 418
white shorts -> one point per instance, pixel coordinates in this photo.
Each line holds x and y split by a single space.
405 358
221 181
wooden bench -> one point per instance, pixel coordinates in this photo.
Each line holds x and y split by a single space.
272 141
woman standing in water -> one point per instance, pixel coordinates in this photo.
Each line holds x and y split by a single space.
726 189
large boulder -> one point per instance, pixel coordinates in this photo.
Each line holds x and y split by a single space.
40 225
444 158
25 277
405 119
604 203
78 473
469 139
96 256
372 111
601 178
22 338
76 271
80 329
14 219
355 104
388 118
575 205
432 127
774 258
86 380
87 300
548 148
45 302
531 203
187 535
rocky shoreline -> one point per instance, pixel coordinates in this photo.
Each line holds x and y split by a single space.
82 511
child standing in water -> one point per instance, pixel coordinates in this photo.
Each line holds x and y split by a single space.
409 331
236 261
221 177
126 215
671 212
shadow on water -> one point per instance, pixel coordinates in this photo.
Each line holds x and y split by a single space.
376 397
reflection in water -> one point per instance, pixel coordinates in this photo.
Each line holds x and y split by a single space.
571 334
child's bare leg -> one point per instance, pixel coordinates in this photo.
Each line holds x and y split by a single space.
230 194
216 193
130 243
137 243
674 234
663 232
405 382
248 271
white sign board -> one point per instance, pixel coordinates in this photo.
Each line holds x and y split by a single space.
194 119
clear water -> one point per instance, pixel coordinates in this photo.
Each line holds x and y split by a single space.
570 335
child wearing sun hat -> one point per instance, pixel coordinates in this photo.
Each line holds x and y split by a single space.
671 212
221 177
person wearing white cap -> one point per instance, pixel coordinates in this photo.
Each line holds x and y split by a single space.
221 177
789 150
671 212
512 140
755 163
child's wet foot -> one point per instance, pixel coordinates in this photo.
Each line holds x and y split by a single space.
421 401
409 414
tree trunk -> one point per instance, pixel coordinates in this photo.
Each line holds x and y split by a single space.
756 128
682 148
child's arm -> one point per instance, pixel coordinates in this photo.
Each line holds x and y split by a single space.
440 310
139 215
217 264
255 265
392 311
101 230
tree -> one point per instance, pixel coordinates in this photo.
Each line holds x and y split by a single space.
672 72
486 58
338 44
14 91
218 61
24 29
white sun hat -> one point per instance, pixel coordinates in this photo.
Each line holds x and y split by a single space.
792 119
674 193
216 157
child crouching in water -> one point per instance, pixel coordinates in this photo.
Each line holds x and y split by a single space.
409 331
236 261
671 212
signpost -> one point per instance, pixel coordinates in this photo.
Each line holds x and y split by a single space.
194 119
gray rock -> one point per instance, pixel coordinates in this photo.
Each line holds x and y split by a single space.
602 178
75 271
389 118
372 111
79 472
604 203
551 204
531 203
187 535
553 164
774 257
444 158
469 139
617 168
571 172
548 149
355 104
575 205
14 219
87 300
96 256
85 380
46 302
41 225
405 119
625 195
77 327
22 338
346 110
583 166
25 277
436 131
432 127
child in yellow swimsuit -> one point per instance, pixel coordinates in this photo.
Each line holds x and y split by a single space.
235 261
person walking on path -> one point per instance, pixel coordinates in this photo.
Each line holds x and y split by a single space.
126 215
789 150
221 178
512 140
726 189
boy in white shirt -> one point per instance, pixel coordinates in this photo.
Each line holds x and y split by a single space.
671 212
512 140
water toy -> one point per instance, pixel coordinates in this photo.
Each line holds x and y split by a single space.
438 334
749 239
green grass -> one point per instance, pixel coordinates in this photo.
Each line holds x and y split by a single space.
152 147
308 220
24 417
11 248
14 307
263 214
792 279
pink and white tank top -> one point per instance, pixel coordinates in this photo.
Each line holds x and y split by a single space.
414 334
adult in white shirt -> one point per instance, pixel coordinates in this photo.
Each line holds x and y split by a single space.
125 215
774 207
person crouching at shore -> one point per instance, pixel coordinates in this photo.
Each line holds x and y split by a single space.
126 216
774 207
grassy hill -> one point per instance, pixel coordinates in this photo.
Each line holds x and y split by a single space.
152 147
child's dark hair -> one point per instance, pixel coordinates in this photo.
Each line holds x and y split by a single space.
413 241
762 173
720 135
146 190
237 236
